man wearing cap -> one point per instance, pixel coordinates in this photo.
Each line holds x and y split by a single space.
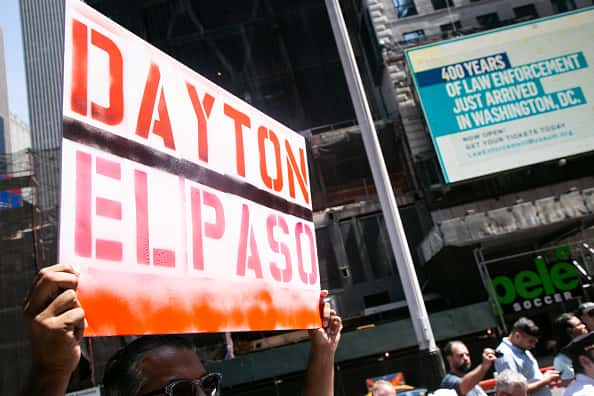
581 351
586 314
517 357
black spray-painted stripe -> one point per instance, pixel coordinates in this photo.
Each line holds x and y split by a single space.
114 144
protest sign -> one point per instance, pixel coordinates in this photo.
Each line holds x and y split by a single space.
183 208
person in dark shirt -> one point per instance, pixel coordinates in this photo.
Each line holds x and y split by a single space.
461 376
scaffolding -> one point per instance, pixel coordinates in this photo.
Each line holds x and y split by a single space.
27 243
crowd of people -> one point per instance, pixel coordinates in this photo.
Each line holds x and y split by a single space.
168 365
573 364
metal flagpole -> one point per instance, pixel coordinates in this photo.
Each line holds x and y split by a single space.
432 364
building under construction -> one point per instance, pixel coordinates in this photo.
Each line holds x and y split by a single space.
280 56
27 238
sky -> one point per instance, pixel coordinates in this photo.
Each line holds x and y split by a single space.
10 21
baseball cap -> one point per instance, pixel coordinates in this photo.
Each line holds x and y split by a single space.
584 308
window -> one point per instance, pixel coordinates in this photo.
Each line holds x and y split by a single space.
439 4
488 21
367 247
417 35
377 243
526 12
449 27
405 8
563 5
352 243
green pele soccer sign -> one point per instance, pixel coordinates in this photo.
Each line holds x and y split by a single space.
538 285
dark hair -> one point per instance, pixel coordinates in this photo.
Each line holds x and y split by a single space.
580 346
526 326
577 365
123 375
447 349
562 330
584 308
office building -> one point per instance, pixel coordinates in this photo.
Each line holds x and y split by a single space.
43 43
4 112
20 134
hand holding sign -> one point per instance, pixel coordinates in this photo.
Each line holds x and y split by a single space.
55 322
324 341
327 336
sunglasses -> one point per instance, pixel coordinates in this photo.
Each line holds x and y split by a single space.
207 385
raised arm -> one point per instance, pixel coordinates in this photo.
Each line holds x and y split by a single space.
324 341
55 322
474 376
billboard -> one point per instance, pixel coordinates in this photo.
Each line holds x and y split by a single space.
183 208
510 97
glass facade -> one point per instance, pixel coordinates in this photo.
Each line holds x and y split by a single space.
278 56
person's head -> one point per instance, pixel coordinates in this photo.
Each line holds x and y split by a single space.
457 356
383 388
586 314
524 334
152 363
581 352
510 383
566 327
444 392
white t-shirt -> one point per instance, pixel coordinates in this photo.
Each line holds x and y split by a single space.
582 386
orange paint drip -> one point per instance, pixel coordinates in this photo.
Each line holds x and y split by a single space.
188 305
